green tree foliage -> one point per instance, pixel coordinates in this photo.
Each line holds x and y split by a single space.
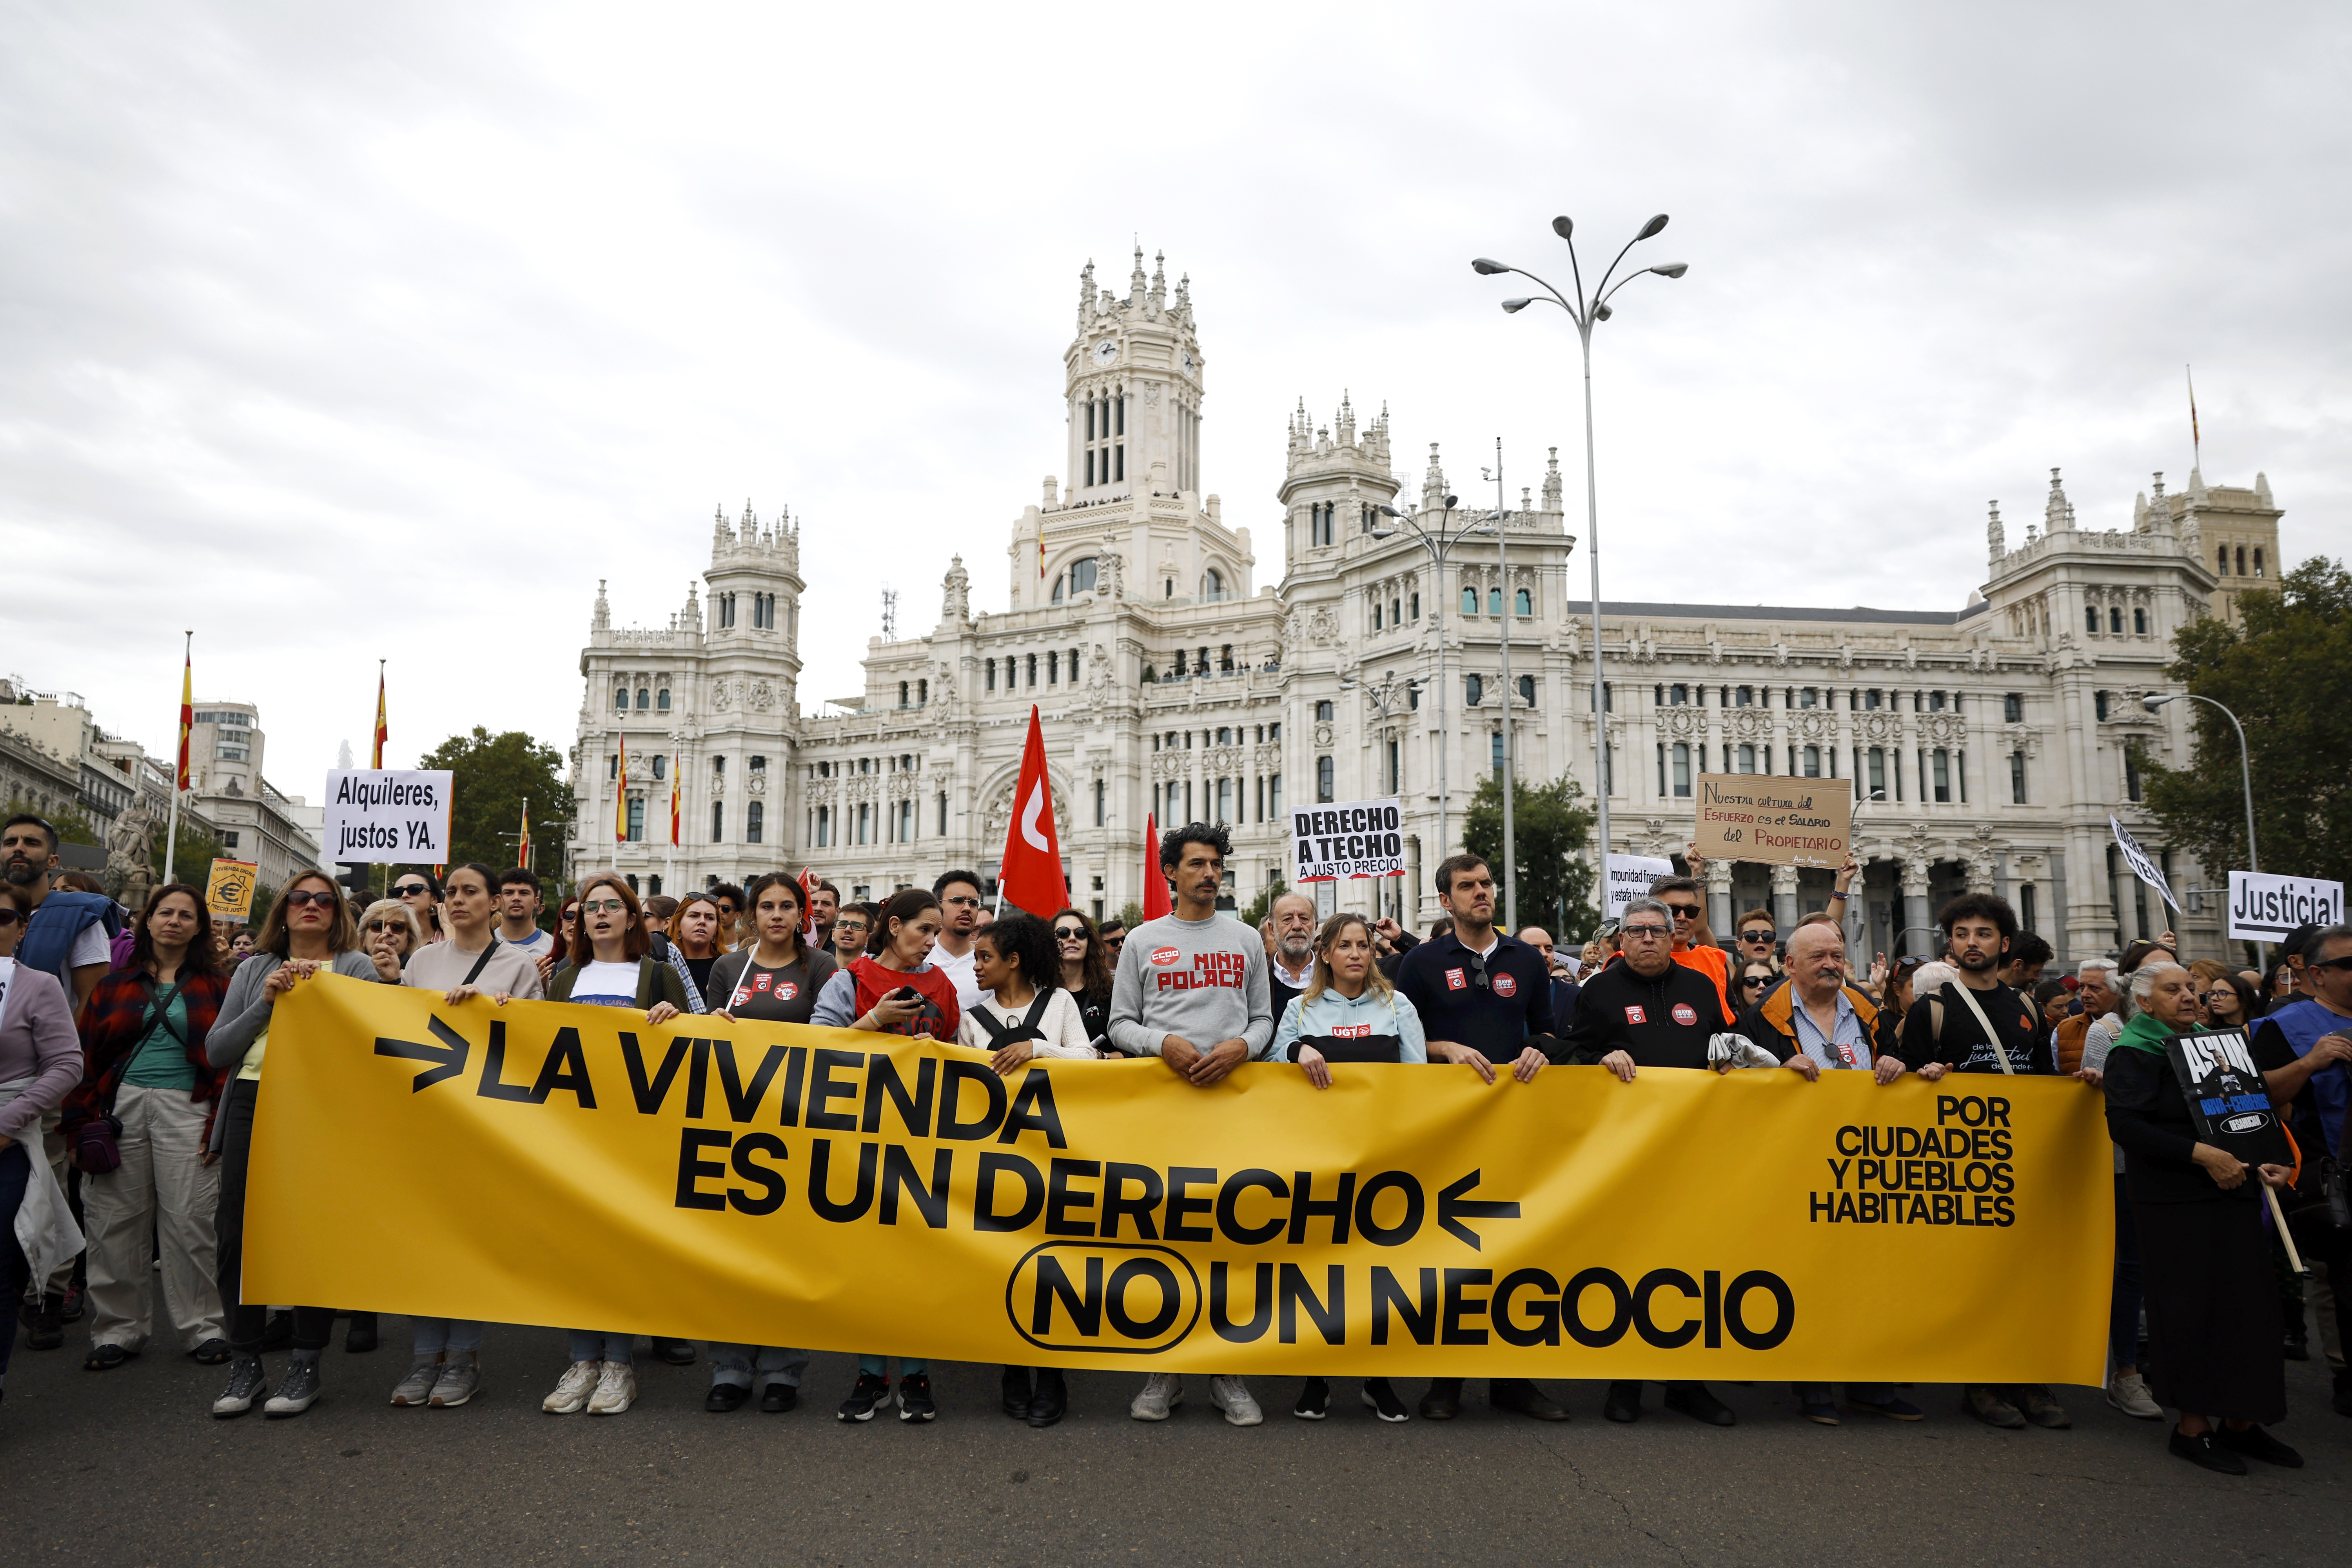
1553 831
192 855
492 776
1264 905
2285 670
1131 914
72 826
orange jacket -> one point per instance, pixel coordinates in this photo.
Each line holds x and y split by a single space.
1716 964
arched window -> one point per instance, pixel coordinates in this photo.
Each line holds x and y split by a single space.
902 693
2139 623
2222 569
2091 620
1523 604
1528 689
661 701
661 766
2242 561
1212 585
1082 574
1324 786
1746 759
1473 689
1469 601
1395 619
1376 615
1057 590
621 701
645 700
1494 601
1812 762
2258 560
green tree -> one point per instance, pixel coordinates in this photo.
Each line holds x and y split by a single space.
72 826
1553 830
492 775
2285 670
1257 911
192 855
1131 914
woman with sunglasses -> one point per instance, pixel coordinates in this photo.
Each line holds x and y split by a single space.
1347 1013
1086 973
144 1065
308 929
444 1353
1756 978
421 891
613 966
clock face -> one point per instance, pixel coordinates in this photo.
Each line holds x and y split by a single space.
1188 359
1106 351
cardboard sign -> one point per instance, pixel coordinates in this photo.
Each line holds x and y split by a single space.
2264 908
384 813
1778 821
1629 878
2226 1096
1359 838
228 890
2145 870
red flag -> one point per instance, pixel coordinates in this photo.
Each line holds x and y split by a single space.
621 795
382 733
1030 876
808 899
1155 886
673 778
187 718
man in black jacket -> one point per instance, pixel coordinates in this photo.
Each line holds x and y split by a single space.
1645 1010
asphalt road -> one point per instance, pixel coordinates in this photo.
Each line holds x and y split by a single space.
129 1468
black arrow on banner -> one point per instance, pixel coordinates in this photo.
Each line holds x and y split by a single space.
450 1062
1451 1203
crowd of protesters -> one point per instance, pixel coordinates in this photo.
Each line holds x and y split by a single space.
132 1056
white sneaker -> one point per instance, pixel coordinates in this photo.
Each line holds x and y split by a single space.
1231 1395
615 1391
417 1386
2128 1394
1162 1392
571 1396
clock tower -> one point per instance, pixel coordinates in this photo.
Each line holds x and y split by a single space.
1132 382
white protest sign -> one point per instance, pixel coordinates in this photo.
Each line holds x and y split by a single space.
2145 870
1629 878
1357 839
383 813
2264 908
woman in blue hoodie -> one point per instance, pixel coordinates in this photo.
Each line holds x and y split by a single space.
1349 1012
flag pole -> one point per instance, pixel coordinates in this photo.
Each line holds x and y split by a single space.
180 760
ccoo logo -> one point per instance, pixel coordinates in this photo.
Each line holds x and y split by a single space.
1111 1296
1164 956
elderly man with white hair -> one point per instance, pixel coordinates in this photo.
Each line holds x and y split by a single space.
1816 1023
1290 949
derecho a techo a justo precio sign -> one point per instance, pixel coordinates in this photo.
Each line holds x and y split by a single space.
1357 838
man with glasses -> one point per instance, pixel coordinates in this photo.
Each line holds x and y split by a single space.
1649 1011
420 893
959 894
2303 1049
1686 900
1485 1001
851 927
1112 933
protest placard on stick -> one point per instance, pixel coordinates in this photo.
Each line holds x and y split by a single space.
1778 821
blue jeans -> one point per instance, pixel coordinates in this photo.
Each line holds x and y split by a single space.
880 1366
457 1336
733 1363
590 1344
2122 1304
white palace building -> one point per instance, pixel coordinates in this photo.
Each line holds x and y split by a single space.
1987 745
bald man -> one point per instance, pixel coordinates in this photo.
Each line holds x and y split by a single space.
1563 990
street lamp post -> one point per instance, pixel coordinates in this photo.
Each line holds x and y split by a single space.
1585 311
2245 779
1501 518
1438 545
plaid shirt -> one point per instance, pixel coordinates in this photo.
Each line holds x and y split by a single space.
115 1019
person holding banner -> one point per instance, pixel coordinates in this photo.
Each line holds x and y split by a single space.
2212 1304
1193 975
1347 1013
308 929
776 977
144 1067
1085 972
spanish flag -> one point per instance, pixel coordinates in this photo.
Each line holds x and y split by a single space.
621 796
381 733
187 716
522 839
674 763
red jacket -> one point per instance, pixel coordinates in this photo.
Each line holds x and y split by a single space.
113 1022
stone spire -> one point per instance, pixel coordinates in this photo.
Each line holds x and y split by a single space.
603 619
1551 481
1086 294
1433 483
722 537
1159 297
1995 538
689 619
2058 513
1344 424
2160 507
1137 287
1184 299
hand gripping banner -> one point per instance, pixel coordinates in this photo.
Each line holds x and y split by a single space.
767 1184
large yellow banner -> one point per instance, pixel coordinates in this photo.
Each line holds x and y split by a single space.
568 1166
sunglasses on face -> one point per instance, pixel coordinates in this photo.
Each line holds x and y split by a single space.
386 925
295 900
1755 936
1069 933
604 906
1751 982
1685 912
2341 965
9 918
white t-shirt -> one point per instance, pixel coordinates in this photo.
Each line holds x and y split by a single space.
92 946
959 970
606 985
533 946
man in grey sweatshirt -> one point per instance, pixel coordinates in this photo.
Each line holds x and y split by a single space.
1191 989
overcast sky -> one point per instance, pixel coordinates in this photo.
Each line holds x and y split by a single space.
342 333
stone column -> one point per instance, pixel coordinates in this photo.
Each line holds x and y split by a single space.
1784 897
1719 913
1914 902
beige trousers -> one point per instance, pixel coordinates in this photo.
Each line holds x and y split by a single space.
163 1193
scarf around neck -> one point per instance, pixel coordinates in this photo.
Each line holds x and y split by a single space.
2146 1033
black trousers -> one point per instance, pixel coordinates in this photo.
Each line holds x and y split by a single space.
313 1326
16 1273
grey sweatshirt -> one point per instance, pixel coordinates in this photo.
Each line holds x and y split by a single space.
1204 981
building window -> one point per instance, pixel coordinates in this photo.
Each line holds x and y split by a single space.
2222 569
645 700
1528 689
2091 620
1416 607
2028 907
1393 785
1469 601
760 764
1274 731
2131 772
1608 695
2116 620
1033 669
1054 668
661 701
1678 696
1474 688
922 694
1101 808
1811 697
943 813
1323 780
1323 712
1376 615
1743 696
1874 772
2013 708
2017 778
1083 574
2258 560
989 676
1812 762
636 819
612 766
228 838
661 765
1682 760
1746 759
1942 760
621 701
1212 586
719 821
1224 800
1935 702
2099 705
1495 748
755 817
903 689
2139 623
1522 604
1274 797
1494 601
1395 619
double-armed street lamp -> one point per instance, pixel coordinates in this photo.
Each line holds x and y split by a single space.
1585 311
1439 544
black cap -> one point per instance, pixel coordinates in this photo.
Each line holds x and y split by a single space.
2292 945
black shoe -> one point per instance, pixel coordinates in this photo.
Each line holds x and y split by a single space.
1053 1398
915 1402
298 1390
778 1397
2202 1450
1443 1402
869 1392
47 1325
278 1332
244 1382
76 1298
1383 1401
1517 1393
725 1398
1624 1402
1314 1400
212 1352
2256 1444
675 1352
361 1336
1016 1394
2298 1344
1694 1401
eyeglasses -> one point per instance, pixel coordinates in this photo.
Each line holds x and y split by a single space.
962 903
604 906
1645 933
2224 994
1763 935
295 900
388 925
1685 912
410 889
1069 933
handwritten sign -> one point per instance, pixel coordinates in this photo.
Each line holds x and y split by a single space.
1779 821
228 891
385 814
